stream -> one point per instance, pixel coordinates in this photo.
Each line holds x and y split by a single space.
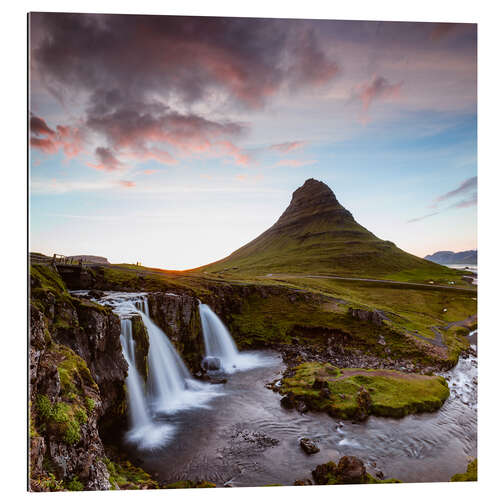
245 438
237 433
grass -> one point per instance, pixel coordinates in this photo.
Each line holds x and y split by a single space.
124 475
189 484
469 475
391 393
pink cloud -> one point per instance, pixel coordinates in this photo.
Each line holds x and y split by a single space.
287 147
127 184
149 171
378 88
50 141
107 161
441 30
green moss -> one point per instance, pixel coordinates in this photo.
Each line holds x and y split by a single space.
189 484
74 485
140 335
61 419
354 394
469 475
125 475
90 404
48 483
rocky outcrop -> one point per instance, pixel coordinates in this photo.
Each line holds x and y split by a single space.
179 318
141 339
349 470
77 375
375 317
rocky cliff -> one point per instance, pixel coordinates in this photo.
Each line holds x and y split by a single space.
178 316
77 375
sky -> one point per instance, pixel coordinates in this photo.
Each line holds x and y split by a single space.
173 141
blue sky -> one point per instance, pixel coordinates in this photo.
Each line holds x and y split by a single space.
145 155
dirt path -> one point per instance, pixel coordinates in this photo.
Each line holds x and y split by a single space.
370 280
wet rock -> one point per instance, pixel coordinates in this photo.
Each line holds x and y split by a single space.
309 446
380 474
323 473
287 402
211 363
301 406
303 482
351 470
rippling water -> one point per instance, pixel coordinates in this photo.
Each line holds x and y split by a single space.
246 439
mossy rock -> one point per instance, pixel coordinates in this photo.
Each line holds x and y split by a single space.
141 338
123 475
469 475
355 394
189 484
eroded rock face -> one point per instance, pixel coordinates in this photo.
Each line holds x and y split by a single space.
179 318
94 335
77 374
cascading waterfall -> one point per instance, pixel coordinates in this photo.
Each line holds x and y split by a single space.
139 416
220 345
170 387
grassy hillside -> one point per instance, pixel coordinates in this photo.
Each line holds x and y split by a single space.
317 235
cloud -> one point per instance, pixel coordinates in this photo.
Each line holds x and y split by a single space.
468 202
287 147
127 184
441 30
149 171
378 88
416 219
464 187
50 141
107 161
142 105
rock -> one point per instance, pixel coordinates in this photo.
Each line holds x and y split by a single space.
211 363
287 402
301 406
381 340
178 316
351 470
324 472
303 482
364 401
309 446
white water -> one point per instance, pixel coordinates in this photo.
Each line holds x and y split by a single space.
219 344
170 387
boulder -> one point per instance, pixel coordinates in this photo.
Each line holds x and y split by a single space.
350 470
309 446
211 363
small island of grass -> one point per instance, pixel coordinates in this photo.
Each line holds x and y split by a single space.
355 394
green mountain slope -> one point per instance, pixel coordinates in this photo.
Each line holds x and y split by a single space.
317 235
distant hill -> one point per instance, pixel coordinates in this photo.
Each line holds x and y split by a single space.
317 235
446 257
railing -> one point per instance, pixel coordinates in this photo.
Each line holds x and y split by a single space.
62 260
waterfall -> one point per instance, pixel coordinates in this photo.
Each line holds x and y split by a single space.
135 393
169 388
220 345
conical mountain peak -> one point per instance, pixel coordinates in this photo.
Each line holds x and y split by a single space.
316 234
312 199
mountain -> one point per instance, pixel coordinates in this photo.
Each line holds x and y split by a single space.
446 257
317 235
